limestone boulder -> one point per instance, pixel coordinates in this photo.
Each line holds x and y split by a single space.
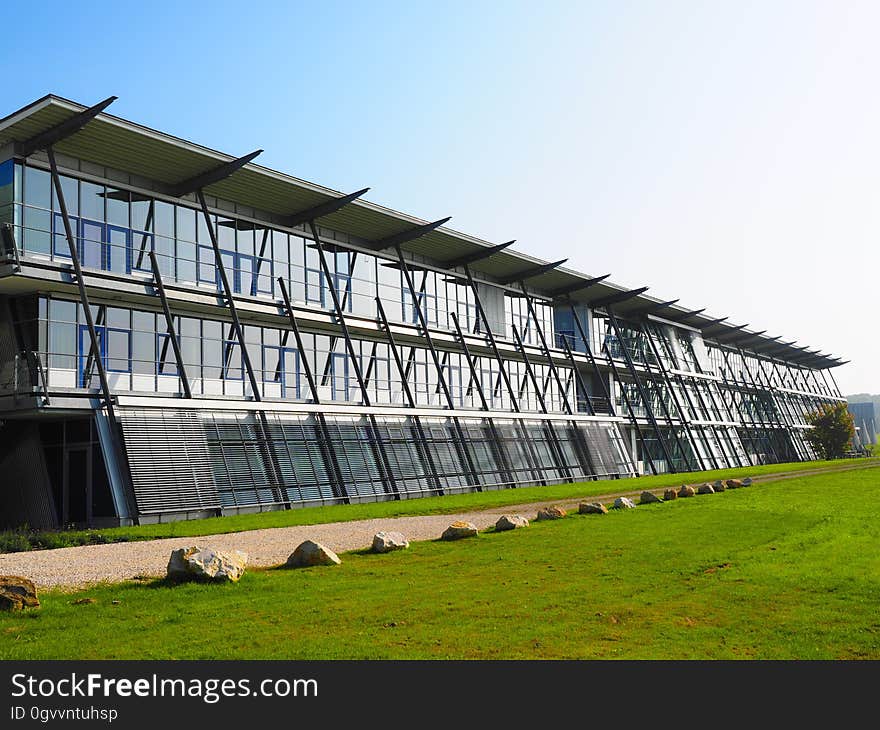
206 563
458 530
17 593
311 553
669 494
734 483
718 486
510 522
686 491
706 489
648 498
624 503
592 508
386 542
551 513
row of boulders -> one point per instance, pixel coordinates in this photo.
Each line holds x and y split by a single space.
210 564
206 563
687 490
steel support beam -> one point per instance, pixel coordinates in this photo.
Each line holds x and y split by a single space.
530 272
579 286
411 401
464 455
680 379
115 429
377 442
591 357
62 130
474 256
778 403
484 404
490 336
685 421
169 323
229 295
398 239
505 376
667 415
199 182
579 381
548 427
617 298
765 426
322 209
327 449
612 319
540 330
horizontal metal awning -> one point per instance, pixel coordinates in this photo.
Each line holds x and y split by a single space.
169 161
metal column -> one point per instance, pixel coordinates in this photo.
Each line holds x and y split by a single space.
323 430
626 400
377 443
646 332
464 455
118 444
169 323
269 455
548 427
484 404
631 367
514 400
411 401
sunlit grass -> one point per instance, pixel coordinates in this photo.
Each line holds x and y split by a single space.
11 541
775 571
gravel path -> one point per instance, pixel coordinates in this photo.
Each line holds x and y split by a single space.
76 567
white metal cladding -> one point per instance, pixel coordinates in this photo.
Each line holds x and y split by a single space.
185 460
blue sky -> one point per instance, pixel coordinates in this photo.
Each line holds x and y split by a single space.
723 152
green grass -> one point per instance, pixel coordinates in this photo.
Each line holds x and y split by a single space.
783 570
18 540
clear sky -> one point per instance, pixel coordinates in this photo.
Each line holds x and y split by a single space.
727 153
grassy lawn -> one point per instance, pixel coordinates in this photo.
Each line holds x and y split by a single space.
23 540
784 570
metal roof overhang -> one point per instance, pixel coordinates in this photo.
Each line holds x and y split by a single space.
113 142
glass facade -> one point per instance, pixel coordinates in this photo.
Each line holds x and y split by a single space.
116 230
138 355
687 404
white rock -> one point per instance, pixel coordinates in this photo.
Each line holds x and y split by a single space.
458 530
510 522
624 503
311 553
206 563
385 542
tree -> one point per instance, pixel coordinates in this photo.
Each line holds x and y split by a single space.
833 430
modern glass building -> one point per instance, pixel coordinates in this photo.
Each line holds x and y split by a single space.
184 334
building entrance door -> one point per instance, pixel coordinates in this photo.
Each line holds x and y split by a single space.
77 485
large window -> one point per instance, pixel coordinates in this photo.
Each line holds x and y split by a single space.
116 230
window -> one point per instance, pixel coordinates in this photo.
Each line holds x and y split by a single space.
232 369
166 362
114 347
